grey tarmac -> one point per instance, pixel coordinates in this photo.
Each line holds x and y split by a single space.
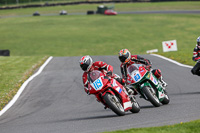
55 101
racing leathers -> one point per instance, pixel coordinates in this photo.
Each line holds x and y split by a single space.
104 68
196 57
140 60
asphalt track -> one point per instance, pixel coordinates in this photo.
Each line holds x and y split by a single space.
55 102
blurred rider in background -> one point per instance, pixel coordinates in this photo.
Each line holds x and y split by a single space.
87 66
127 59
196 57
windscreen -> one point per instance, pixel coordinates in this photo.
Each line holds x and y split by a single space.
133 67
94 75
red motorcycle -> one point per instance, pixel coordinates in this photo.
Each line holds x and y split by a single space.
111 93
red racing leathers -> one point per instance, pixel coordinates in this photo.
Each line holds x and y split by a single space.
196 53
98 65
138 60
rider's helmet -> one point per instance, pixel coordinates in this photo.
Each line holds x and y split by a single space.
198 41
86 63
124 56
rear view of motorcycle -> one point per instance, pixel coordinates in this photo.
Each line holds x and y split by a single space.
147 85
196 69
111 93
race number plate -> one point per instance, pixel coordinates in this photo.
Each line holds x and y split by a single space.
136 76
97 84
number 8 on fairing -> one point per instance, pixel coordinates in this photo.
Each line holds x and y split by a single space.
137 77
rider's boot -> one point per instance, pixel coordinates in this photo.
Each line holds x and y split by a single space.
130 91
164 84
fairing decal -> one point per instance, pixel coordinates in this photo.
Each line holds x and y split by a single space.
127 105
119 89
161 95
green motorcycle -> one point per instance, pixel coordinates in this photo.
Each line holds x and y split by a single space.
148 86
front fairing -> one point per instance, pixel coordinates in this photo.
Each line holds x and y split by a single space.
135 73
97 81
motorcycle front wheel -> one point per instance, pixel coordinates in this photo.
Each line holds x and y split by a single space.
114 104
151 96
166 98
135 105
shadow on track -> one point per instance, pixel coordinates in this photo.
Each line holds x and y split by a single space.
147 107
94 117
187 93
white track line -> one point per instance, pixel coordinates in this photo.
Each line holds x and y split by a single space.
23 87
173 61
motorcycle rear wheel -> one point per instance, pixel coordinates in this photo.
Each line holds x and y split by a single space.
151 96
114 104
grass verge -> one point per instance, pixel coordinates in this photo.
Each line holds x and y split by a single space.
13 72
100 35
188 127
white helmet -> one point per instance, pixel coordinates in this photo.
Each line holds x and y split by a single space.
86 63
198 39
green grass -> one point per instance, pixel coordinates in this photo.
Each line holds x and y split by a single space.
30 39
99 34
188 127
13 72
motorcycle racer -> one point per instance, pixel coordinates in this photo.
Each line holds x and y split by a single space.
127 59
196 57
87 65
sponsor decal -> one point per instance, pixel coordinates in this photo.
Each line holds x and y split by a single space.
148 76
142 71
114 83
161 95
151 78
155 81
127 105
119 89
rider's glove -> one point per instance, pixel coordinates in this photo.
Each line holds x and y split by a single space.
148 67
147 62
109 73
88 92
133 59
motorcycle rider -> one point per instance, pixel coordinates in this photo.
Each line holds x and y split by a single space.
127 59
87 65
196 57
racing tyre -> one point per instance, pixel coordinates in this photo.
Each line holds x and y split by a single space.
114 104
135 106
166 98
151 96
